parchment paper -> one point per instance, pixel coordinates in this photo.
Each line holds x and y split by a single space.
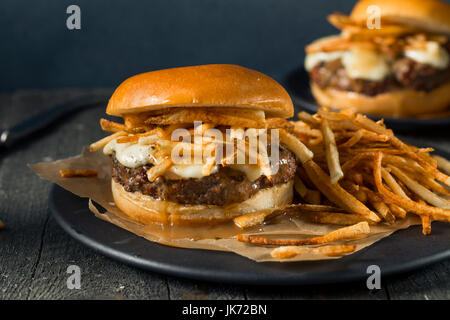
99 190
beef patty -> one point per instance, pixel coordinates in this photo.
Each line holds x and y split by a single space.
221 188
406 74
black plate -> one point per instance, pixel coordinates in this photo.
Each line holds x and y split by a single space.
297 84
402 251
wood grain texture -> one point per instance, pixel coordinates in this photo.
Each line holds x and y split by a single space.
35 252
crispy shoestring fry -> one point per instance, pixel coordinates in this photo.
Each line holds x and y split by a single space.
420 190
300 187
211 159
348 165
158 169
426 224
443 164
79 173
103 142
409 205
258 217
397 211
435 186
384 211
286 252
332 153
158 133
353 232
336 218
392 183
297 147
312 197
353 140
110 126
306 117
336 193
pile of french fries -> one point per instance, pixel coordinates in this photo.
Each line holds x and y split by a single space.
353 172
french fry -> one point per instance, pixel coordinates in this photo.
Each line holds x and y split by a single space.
392 183
356 231
384 211
420 190
397 211
158 169
154 133
2 225
361 195
353 140
103 142
317 207
79 173
279 123
434 186
332 153
110 126
335 193
426 224
348 165
298 148
443 164
254 218
306 117
300 186
336 218
312 197
409 205
286 252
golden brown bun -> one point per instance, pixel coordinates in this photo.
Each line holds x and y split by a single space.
215 85
147 210
427 15
404 103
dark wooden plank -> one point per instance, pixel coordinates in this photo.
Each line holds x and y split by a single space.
181 289
101 278
334 291
23 208
430 283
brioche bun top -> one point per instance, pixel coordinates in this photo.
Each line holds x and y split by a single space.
215 85
427 15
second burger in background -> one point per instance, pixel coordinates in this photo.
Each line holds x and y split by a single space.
391 59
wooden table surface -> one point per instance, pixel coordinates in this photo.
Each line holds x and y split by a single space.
35 252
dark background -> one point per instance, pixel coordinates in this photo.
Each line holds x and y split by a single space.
121 38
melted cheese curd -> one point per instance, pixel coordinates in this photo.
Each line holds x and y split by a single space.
366 64
175 159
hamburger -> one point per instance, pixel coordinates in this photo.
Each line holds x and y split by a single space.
164 112
390 59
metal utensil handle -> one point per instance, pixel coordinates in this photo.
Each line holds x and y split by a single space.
38 122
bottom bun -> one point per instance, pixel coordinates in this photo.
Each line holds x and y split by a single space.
401 103
146 210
